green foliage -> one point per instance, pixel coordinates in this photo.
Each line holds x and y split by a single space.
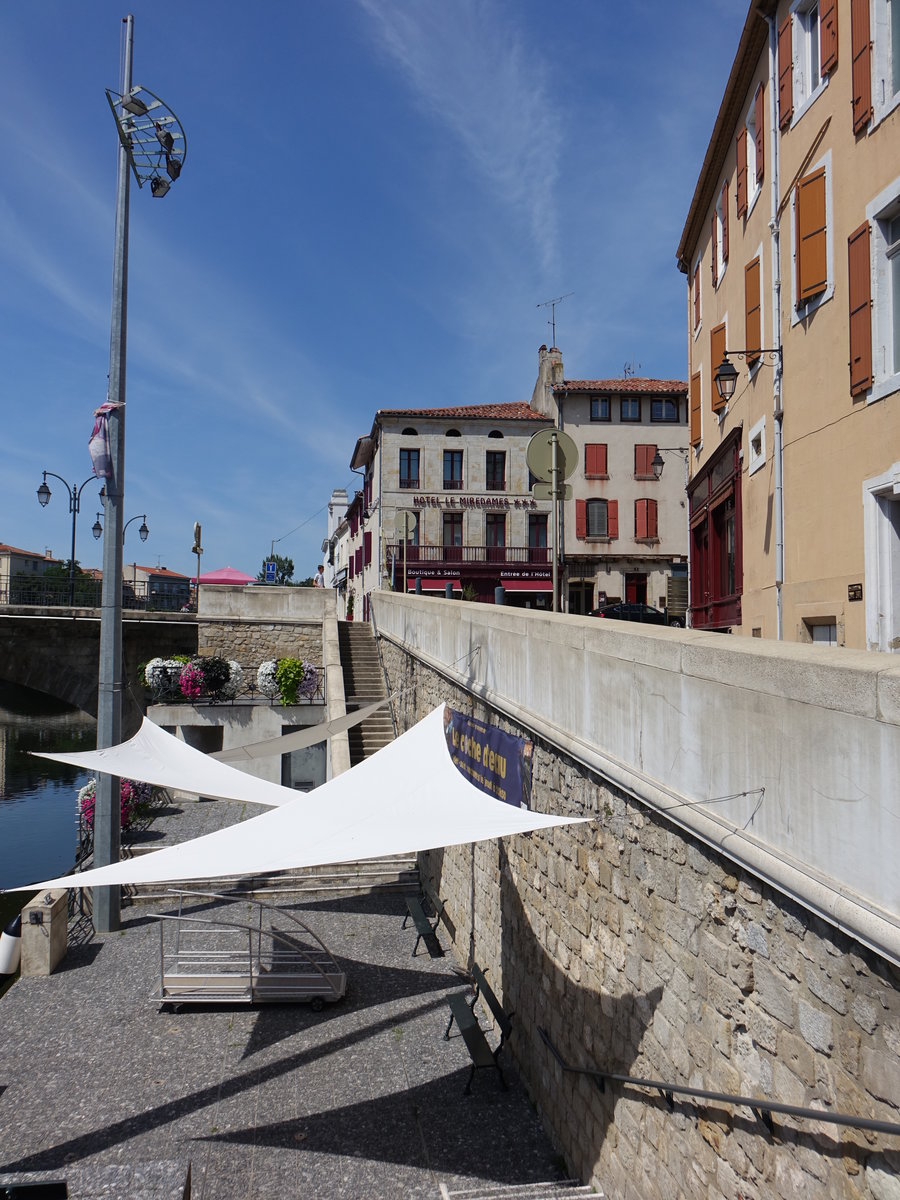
284 570
468 592
216 672
291 674
349 605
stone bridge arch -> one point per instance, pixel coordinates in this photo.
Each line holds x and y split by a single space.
59 655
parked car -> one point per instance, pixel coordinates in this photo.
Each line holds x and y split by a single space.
646 613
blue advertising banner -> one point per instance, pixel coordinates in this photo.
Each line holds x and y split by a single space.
496 762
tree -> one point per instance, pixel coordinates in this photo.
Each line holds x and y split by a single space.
284 570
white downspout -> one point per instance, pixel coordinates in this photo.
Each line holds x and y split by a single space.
778 410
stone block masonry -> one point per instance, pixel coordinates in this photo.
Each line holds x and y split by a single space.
251 642
643 951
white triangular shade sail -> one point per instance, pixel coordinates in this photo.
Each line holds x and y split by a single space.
407 797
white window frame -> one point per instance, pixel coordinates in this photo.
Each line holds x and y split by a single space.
753 191
757 437
718 247
885 378
814 302
882 561
595 501
884 100
806 48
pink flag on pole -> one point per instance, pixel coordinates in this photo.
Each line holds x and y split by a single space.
99 441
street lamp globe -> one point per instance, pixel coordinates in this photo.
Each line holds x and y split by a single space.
144 531
43 494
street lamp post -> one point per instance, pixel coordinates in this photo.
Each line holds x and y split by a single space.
656 466
43 495
152 147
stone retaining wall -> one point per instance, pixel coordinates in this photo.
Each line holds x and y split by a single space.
253 642
644 952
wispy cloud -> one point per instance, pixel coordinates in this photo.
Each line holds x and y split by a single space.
468 66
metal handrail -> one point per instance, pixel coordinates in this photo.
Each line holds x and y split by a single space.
761 1109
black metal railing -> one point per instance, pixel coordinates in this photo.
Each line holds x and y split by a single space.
762 1109
475 555
39 592
167 690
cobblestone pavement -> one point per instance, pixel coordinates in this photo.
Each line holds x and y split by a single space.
362 1100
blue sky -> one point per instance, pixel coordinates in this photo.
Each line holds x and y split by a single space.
377 196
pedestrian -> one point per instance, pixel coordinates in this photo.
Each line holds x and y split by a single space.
319 578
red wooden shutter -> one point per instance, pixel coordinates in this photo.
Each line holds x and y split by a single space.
652 519
724 222
786 73
643 461
697 295
367 544
860 292
612 518
714 265
752 333
741 194
696 431
595 460
640 520
812 236
716 354
828 36
861 53
581 519
759 118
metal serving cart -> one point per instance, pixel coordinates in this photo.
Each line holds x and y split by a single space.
210 957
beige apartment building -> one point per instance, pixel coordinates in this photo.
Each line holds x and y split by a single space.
625 529
791 250
445 501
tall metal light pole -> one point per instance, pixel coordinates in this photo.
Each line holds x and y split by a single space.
152 145
43 495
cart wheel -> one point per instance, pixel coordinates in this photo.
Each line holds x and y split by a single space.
317 1004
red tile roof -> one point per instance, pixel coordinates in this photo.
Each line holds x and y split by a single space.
163 572
656 387
518 411
4 549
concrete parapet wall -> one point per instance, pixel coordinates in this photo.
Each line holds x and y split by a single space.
785 758
266 602
644 950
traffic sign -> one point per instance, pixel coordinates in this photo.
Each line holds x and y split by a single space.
539 454
544 491
270 572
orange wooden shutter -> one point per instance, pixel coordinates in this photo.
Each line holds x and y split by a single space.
828 36
741 191
725 222
752 333
581 519
812 236
594 459
696 430
612 518
759 118
714 265
861 53
652 519
640 519
716 354
786 73
860 293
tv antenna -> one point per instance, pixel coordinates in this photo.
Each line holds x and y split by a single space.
631 367
551 304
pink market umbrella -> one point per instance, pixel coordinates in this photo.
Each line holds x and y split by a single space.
226 575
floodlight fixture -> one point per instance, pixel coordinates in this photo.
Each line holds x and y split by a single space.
159 186
164 138
135 105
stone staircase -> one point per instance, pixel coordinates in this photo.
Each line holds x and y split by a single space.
363 682
561 1189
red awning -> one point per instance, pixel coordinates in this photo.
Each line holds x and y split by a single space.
528 585
432 585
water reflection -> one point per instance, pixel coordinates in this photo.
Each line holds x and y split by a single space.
37 797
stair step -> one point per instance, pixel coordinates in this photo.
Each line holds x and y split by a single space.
559 1189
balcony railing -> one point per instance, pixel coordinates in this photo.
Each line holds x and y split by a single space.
472 555
410 484
40 592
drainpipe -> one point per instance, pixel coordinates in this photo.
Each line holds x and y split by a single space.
777 405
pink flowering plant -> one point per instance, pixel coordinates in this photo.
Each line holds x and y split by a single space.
132 798
191 681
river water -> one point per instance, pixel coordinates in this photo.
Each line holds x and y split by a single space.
38 799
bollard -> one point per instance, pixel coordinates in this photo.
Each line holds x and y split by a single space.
11 946
448 591
418 586
45 932
499 595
